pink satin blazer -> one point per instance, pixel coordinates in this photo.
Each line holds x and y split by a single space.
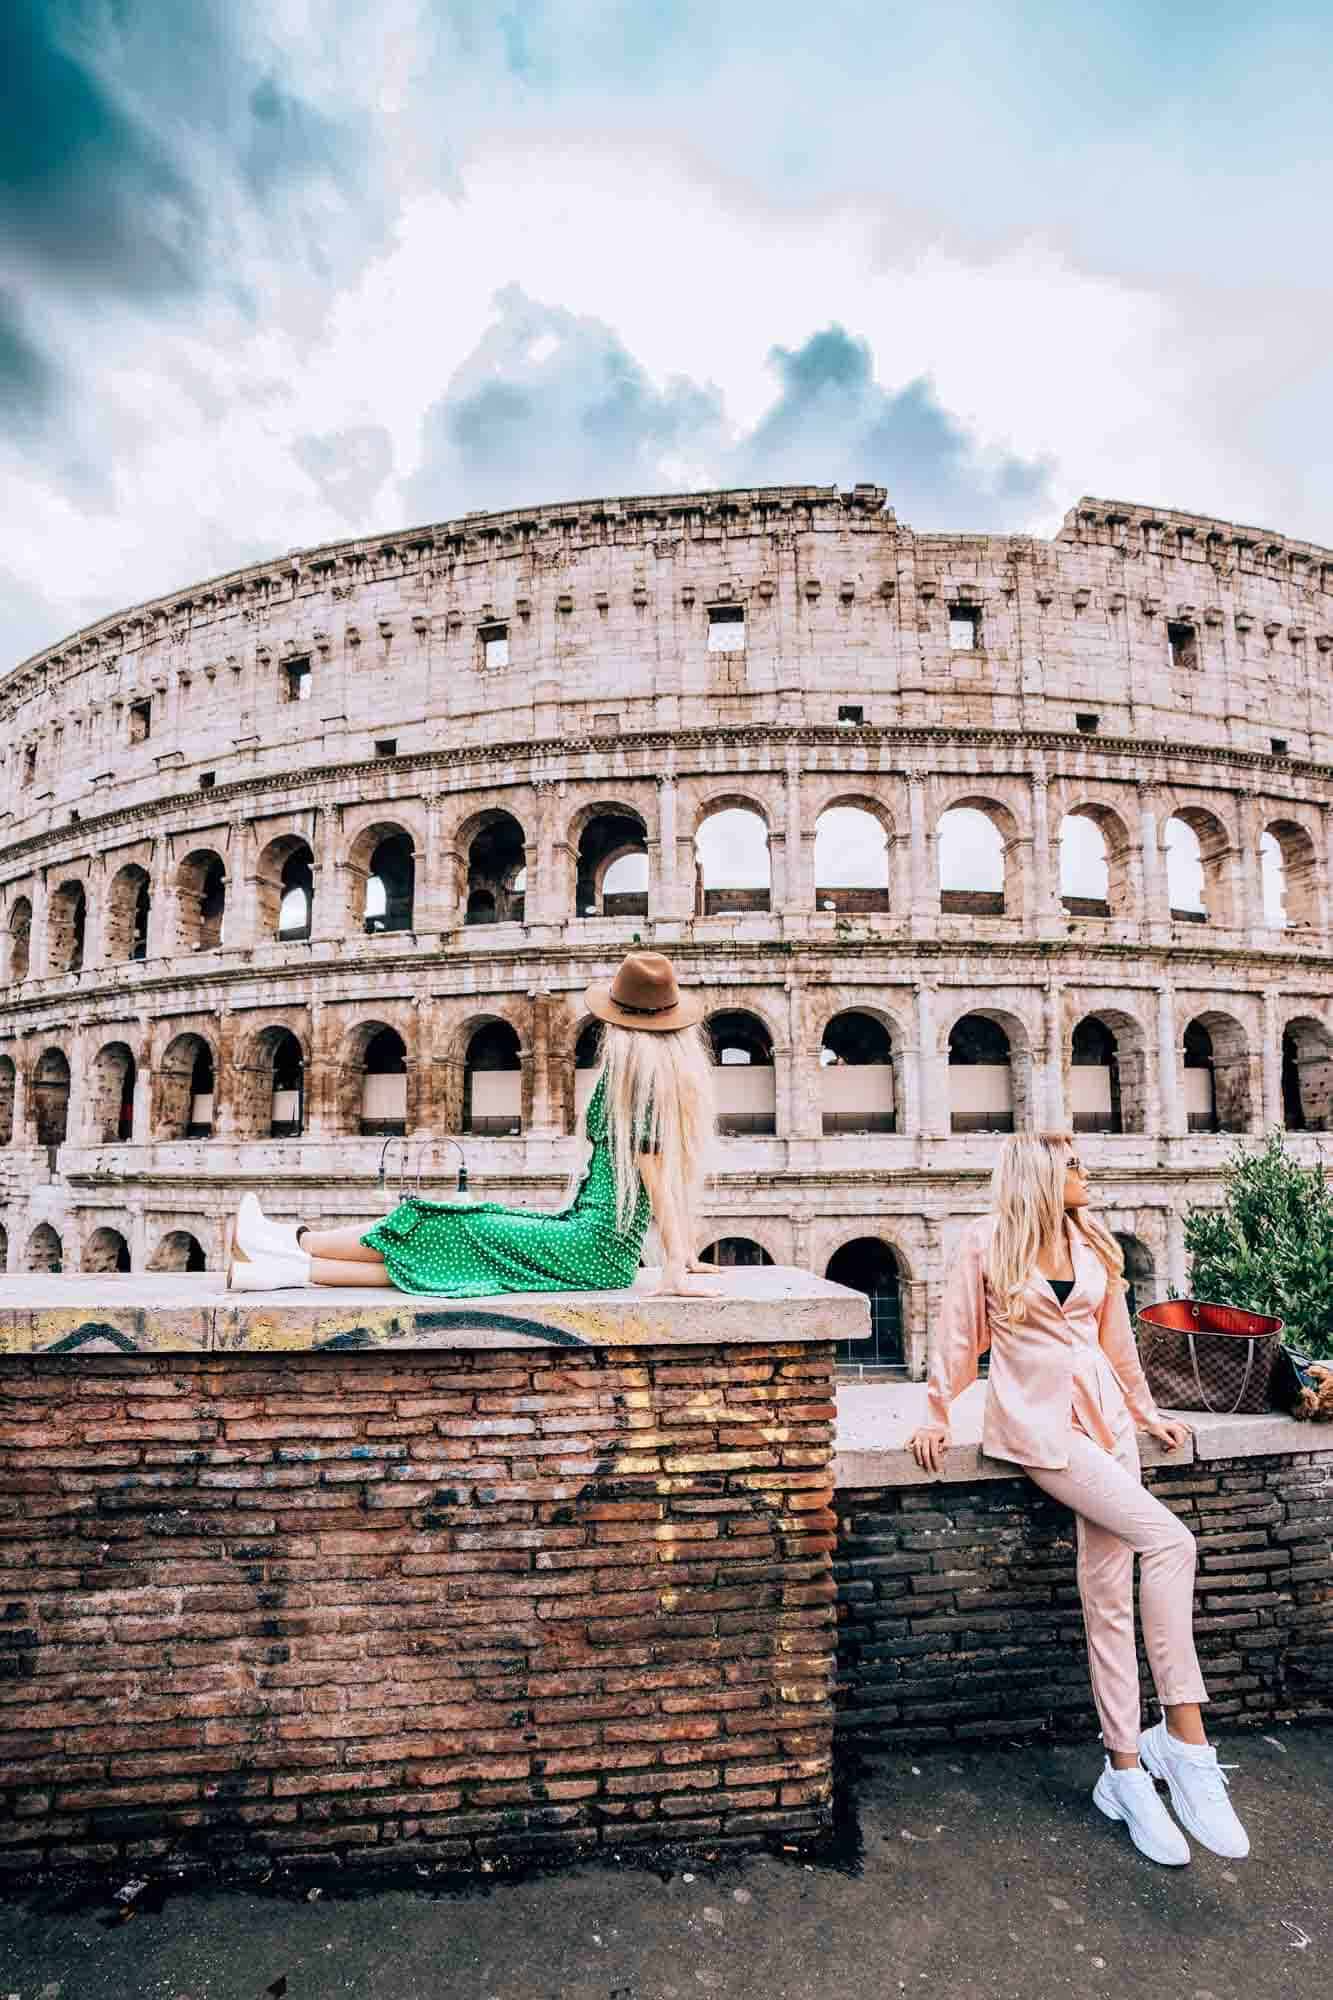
1076 1361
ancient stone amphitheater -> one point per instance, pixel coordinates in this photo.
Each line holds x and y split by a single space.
321 853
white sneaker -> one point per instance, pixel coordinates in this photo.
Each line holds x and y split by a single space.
1198 1787
268 1273
255 1236
1130 1796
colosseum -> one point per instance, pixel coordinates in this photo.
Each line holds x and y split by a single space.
303 871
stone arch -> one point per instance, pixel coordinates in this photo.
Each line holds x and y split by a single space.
1296 869
178 1250
980 859
746 1082
111 1081
45 1251
609 840
1099 885
990 1072
66 926
185 1086
492 850
852 847
128 909
1307 1075
19 934
493 1097
860 1084
1140 1271
381 873
733 865
201 901
269 1084
106 1251
50 1097
579 1070
376 1080
731 1253
1197 853
285 889
8 1080
871 1265
1106 1081
1216 1074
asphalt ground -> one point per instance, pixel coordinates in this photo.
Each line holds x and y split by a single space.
956 1873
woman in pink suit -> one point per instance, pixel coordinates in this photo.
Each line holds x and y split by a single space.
1039 1282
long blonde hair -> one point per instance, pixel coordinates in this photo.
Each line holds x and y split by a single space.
1027 1194
658 1089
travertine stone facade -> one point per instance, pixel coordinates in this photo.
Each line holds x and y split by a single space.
302 856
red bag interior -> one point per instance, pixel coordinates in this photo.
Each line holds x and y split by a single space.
1205 1316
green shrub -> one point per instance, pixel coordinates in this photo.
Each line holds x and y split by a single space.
1270 1245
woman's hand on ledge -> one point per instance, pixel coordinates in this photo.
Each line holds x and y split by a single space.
1170 1433
676 1283
928 1446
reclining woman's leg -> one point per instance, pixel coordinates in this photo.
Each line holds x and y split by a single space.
339 1245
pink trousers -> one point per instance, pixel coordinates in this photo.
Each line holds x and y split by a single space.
1117 1519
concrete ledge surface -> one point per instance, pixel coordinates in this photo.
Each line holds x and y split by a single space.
156 1312
875 1421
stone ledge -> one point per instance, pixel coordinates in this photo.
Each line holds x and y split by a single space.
156 1313
875 1421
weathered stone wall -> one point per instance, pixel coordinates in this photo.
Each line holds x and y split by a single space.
424 1608
960 1618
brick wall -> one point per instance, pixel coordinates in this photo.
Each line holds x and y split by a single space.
959 1614
424 1609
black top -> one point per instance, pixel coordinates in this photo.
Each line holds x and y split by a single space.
1062 1287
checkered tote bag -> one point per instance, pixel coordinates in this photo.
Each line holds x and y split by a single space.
1202 1356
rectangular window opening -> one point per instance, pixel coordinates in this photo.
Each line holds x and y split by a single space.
964 628
207 780
606 725
296 673
386 746
1184 643
1279 745
851 717
726 628
29 763
494 645
1087 723
141 721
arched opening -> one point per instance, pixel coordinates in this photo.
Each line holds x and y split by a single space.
733 867
496 871
127 912
1216 1075
185 1087
1307 1077
105 1251
201 901
856 1082
981 1076
747 1103
50 1098
493 1082
851 862
111 1096
268 1082
733 1253
4 1248
1107 1075
1197 851
7 1080
45 1251
288 1099
285 890
1139 1272
178 1251
587 1057
972 863
383 1107
20 939
390 890
66 924
1289 877
1094 863
868 1265
612 871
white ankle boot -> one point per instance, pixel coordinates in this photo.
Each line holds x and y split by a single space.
1131 1796
268 1272
255 1235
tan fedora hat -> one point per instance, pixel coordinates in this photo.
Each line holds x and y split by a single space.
644 994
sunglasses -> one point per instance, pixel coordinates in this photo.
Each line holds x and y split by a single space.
1073 1165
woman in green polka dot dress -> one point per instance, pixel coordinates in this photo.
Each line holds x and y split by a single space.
649 1121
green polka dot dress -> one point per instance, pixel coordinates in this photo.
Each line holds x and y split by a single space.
467 1250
